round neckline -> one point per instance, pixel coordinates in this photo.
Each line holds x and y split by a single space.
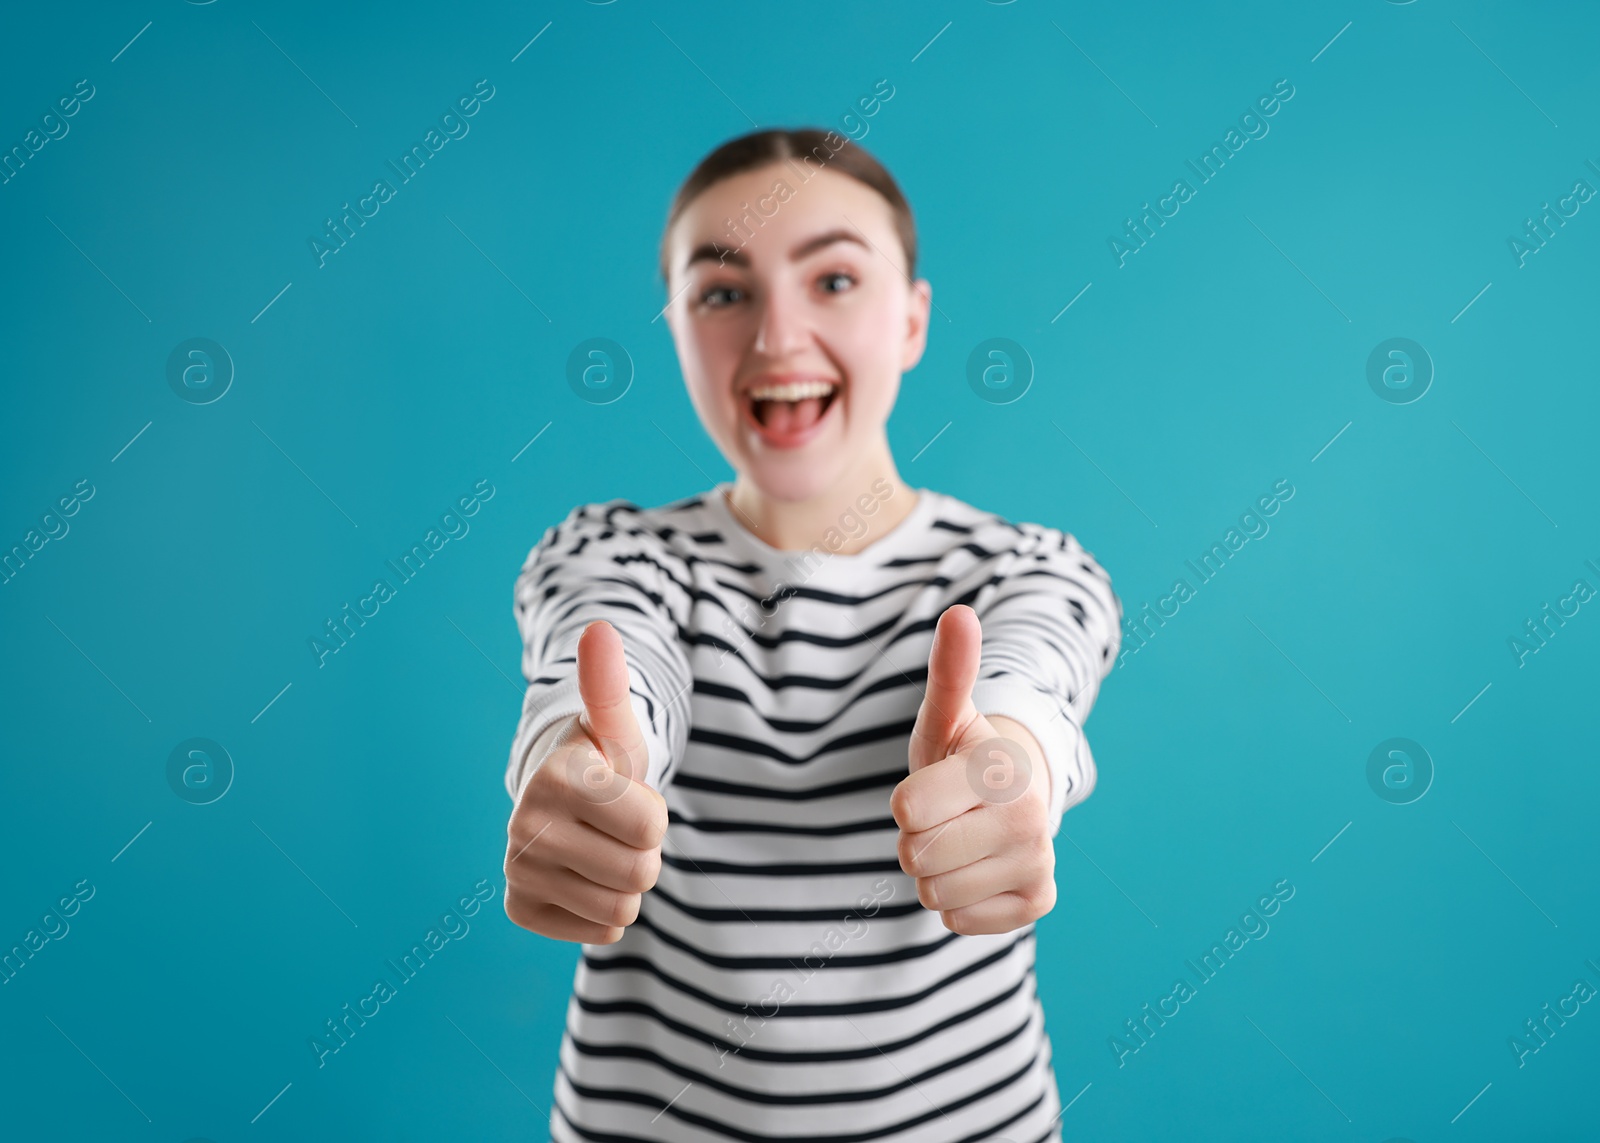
889 543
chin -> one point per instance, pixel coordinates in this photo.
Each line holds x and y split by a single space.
794 481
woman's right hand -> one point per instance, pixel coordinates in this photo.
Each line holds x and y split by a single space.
584 841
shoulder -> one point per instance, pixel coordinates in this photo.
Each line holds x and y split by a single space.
605 536
1016 545
617 524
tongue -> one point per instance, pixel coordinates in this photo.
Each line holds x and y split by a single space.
792 416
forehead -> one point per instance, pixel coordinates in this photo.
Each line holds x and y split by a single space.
767 214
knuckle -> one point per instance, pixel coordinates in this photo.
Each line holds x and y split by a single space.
526 849
928 893
1030 853
644 866
1028 814
1036 900
910 854
622 909
1024 820
1045 899
626 826
655 825
1043 851
520 913
901 804
517 825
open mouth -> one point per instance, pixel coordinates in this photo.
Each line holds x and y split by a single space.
789 409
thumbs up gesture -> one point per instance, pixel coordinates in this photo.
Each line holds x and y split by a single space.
974 810
584 841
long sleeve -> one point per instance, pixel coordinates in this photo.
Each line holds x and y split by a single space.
601 563
1051 632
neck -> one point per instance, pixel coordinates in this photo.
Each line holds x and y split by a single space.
794 525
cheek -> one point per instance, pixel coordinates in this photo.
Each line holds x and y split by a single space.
871 358
709 361
713 403
879 401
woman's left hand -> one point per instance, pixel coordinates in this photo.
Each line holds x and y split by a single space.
974 811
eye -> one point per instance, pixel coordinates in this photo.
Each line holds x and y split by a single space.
835 275
707 295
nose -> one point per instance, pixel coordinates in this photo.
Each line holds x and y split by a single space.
784 328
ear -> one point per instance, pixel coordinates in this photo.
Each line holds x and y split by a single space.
919 297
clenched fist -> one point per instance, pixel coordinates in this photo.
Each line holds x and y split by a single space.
584 841
974 810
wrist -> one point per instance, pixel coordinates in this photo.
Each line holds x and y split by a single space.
541 745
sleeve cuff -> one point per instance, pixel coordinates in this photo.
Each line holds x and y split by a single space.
1066 750
559 702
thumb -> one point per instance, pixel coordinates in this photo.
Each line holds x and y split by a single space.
608 717
952 669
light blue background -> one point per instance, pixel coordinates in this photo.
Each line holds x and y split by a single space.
376 390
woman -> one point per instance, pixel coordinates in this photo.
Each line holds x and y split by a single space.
794 749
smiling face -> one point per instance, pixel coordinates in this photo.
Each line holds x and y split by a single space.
811 290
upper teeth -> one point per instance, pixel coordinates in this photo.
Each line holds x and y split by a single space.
791 391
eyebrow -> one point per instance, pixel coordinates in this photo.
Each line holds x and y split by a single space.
714 252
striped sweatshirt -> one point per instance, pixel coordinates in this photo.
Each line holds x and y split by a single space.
782 982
